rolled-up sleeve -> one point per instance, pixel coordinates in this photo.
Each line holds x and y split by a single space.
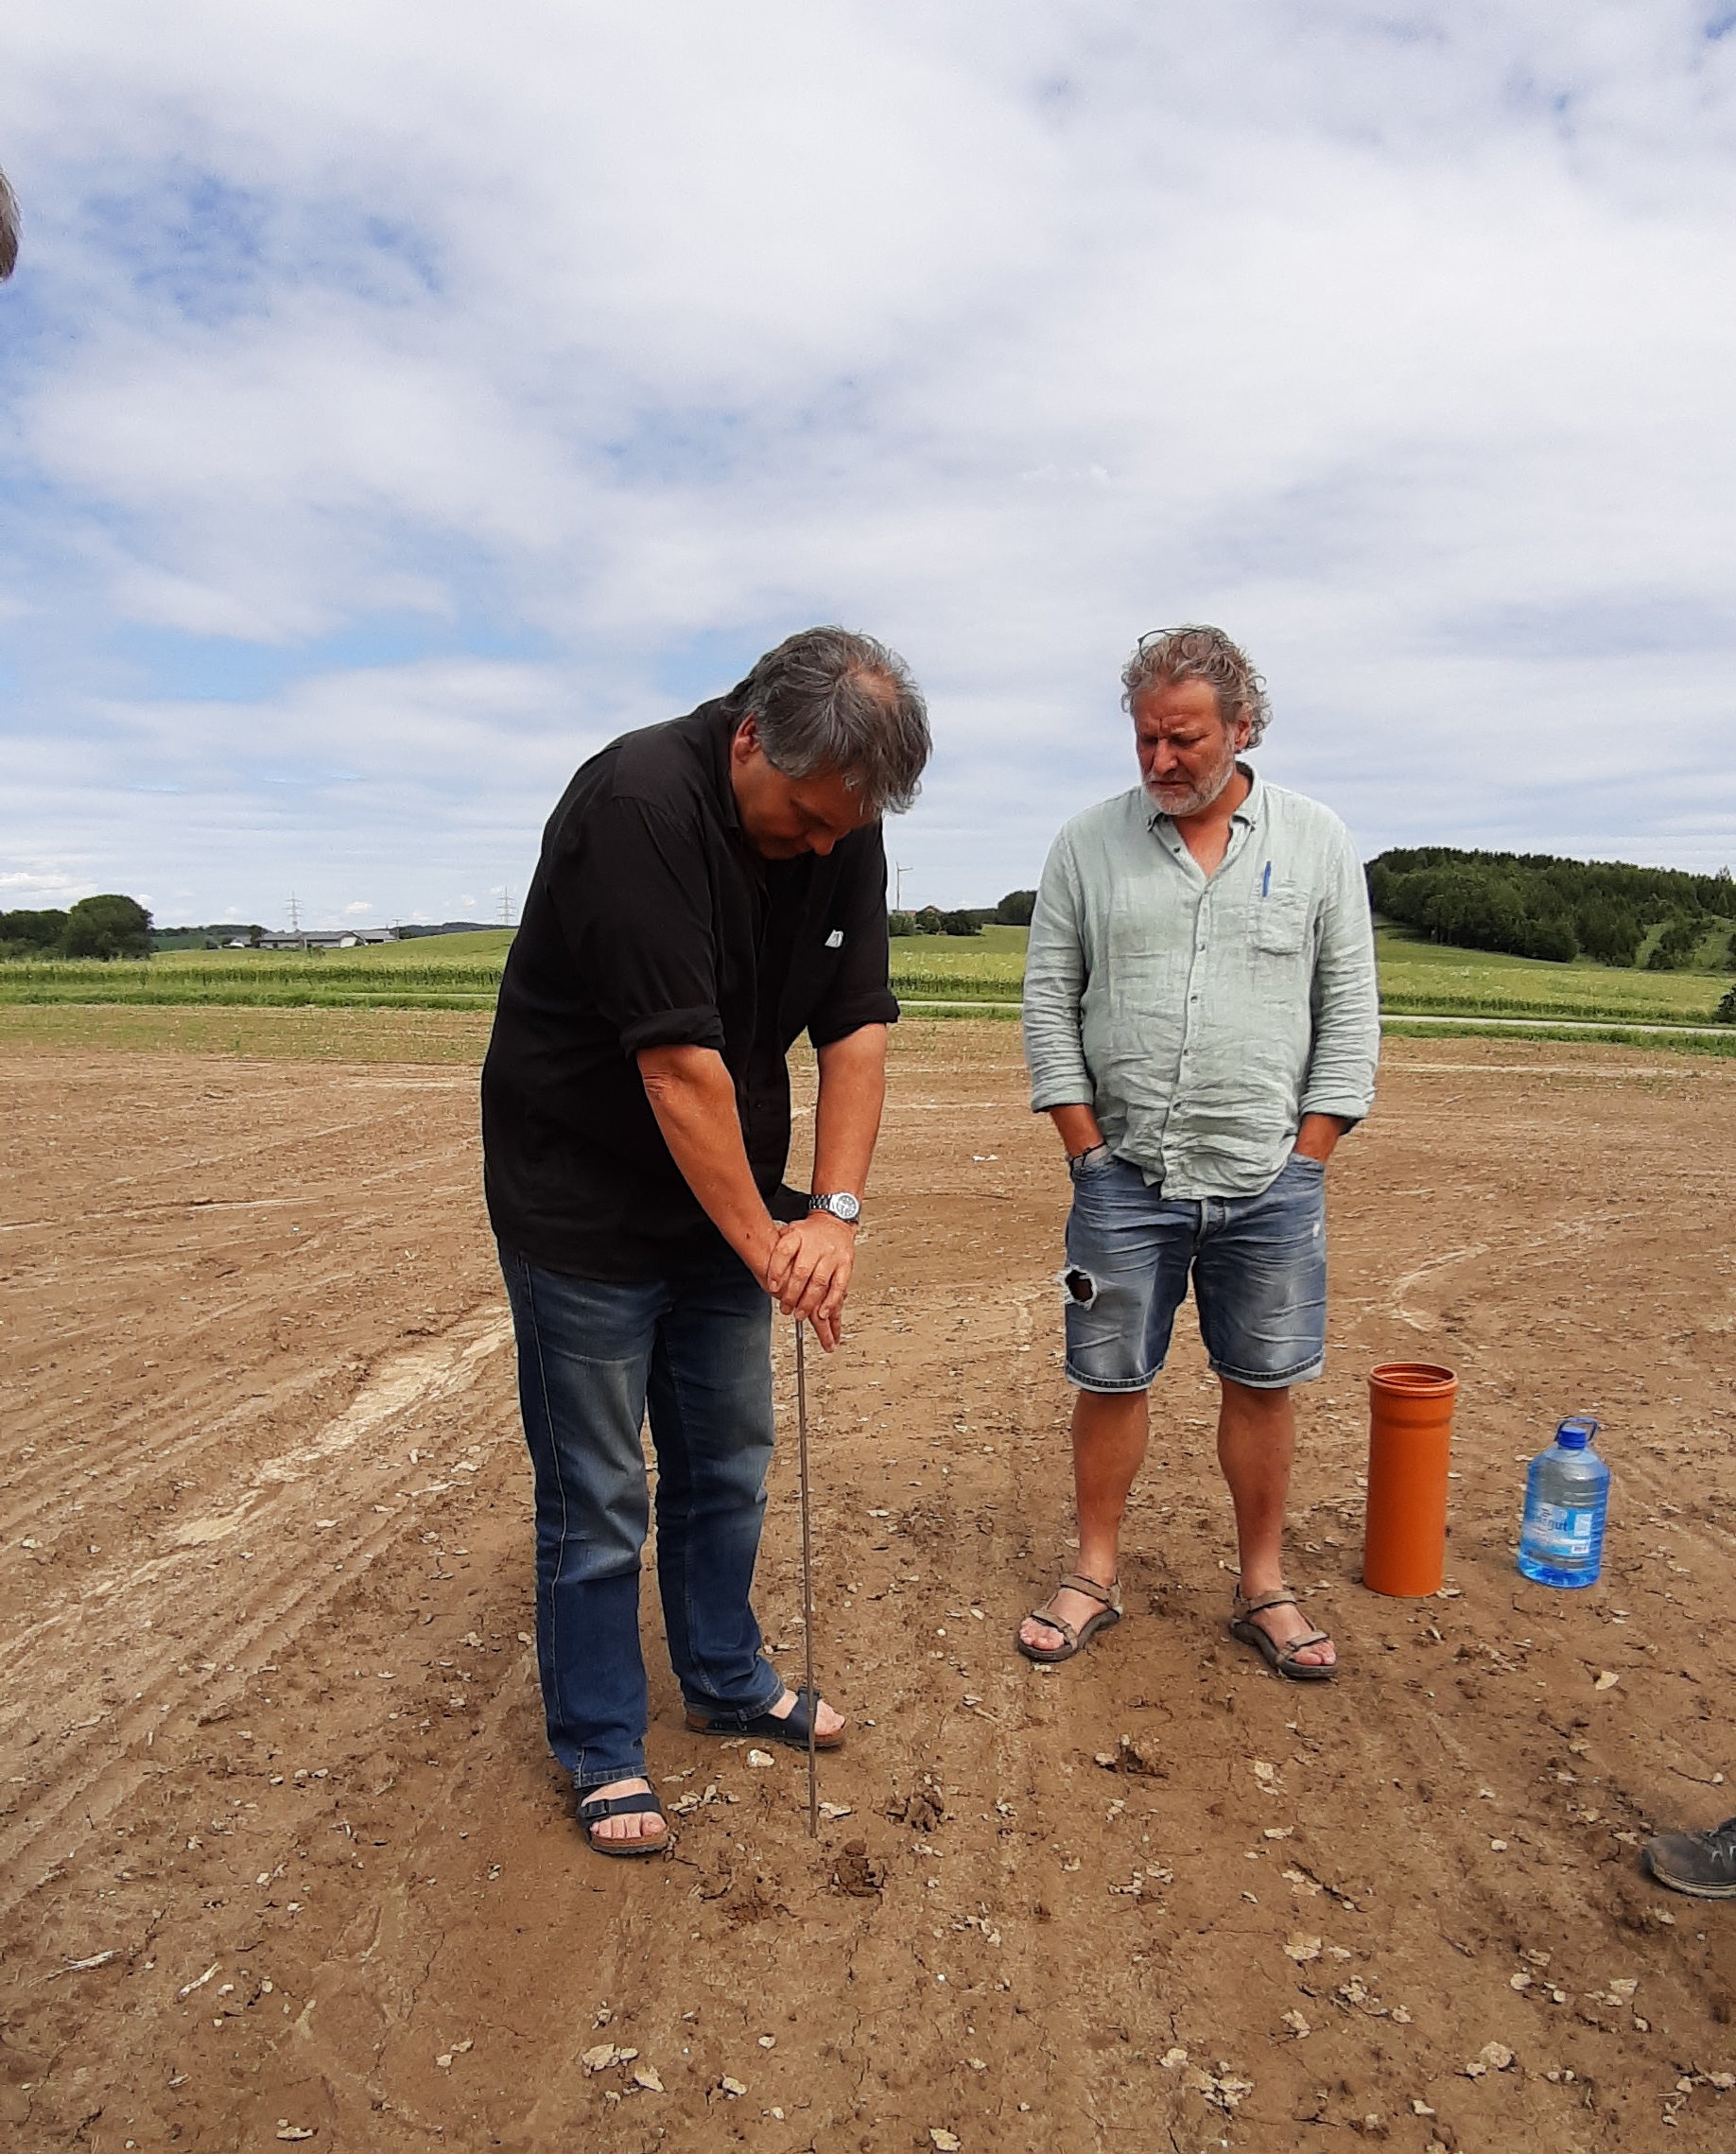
858 993
1054 987
1346 995
634 905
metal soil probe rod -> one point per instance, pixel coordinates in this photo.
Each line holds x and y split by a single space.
808 1578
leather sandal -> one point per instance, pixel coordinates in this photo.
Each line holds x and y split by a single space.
594 1809
1281 1659
1109 1611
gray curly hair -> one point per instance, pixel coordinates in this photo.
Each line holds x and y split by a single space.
1196 652
830 699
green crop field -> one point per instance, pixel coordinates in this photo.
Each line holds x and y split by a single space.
1418 975
261 980
454 972
959 968
462 972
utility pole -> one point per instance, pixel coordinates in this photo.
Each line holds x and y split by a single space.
295 917
506 906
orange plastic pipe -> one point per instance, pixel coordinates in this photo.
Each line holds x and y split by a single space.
1409 1434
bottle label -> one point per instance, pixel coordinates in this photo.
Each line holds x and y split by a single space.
1557 1532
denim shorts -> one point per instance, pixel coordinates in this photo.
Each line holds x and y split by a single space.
1257 1265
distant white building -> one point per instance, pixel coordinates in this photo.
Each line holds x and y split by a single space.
326 938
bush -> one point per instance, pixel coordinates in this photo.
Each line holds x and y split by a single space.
1016 908
1554 939
1727 1009
961 924
1674 948
901 922
107 927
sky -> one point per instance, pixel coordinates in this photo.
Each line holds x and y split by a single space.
398 403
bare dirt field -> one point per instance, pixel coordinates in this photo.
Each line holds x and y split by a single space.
282 1856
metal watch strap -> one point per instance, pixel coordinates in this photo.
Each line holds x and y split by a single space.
842 1204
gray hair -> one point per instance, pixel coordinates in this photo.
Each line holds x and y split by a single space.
827 699
1194 652
10 222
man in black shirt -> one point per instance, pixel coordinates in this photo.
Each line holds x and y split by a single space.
708 888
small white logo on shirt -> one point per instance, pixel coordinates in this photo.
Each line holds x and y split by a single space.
835 939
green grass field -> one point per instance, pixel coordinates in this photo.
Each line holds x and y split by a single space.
487 945
462 972
1416 976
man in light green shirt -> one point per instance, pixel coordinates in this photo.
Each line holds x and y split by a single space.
1201 1021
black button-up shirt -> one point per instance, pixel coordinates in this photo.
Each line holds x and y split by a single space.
652 922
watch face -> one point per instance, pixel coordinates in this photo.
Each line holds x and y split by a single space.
842 1205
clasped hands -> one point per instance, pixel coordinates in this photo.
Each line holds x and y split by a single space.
807 1273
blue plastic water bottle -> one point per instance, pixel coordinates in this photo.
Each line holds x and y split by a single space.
1567 1500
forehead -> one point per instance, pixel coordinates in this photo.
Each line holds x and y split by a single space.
830 797
1175 706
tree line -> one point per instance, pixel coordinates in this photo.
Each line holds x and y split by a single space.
1534 905
1013 911
106 926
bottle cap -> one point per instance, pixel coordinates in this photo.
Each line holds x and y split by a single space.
1575 1434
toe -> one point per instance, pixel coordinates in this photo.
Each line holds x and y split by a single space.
627 1825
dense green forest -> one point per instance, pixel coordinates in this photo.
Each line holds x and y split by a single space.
1534 905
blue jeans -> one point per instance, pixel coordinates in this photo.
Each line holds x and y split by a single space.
593 1354
1258 1264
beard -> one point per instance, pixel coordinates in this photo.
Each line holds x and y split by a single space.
1188 800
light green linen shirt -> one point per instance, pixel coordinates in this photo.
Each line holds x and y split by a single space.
1203 1018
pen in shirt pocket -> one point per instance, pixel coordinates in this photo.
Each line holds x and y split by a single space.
1266 881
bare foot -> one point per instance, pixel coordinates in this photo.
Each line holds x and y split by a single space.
1282 1623
827 1722
641 1825
1076 1609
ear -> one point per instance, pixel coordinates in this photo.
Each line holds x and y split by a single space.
744 742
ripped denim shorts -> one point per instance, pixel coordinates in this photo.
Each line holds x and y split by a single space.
1257 1265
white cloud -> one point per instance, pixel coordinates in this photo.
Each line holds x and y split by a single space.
43 889
489 391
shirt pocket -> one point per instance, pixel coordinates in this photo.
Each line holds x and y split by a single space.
1277 924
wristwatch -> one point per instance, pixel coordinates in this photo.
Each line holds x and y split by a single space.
840 1204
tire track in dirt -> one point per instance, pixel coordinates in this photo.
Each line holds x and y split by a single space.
344 1468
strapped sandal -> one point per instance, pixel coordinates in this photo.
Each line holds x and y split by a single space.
1109 1611
769 1727
1281 1659
594 1809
